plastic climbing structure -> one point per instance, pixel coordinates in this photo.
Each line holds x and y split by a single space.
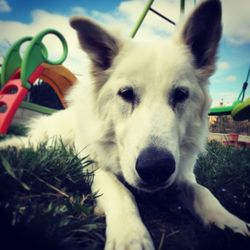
18 74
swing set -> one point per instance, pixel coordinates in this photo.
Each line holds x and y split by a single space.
18 75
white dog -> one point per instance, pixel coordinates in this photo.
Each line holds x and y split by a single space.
144 119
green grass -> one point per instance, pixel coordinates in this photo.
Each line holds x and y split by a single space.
46 202
226 171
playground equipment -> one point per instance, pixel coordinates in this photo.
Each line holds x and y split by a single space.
19 74
240 109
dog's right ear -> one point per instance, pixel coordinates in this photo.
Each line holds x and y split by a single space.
100 46
202 33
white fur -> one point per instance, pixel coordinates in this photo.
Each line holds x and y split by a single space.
113 133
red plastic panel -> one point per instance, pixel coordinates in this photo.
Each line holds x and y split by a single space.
11 96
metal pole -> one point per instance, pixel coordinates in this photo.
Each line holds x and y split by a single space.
248 74
182 10
160 15
141 18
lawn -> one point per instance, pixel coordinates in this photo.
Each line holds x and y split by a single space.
46 203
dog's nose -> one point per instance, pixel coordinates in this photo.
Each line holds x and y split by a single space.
155 165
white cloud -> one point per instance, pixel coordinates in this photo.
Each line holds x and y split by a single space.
231 78
236 21
76 61
78 11
223 65
4 6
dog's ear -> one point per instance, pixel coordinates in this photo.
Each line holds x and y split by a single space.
100 46
202 33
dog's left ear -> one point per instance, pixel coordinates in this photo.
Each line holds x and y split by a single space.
202 33
100 45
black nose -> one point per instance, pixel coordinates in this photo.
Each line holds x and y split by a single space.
155 165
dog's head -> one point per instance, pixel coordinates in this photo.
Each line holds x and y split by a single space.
154 96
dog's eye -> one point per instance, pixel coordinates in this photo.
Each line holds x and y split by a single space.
179 95
127 94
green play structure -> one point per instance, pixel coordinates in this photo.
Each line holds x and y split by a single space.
19 73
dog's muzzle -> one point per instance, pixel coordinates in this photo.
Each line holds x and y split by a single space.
155 166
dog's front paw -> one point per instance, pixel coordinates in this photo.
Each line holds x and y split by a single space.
128 236
240 227
231 221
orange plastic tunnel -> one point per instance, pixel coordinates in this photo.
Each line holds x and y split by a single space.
59 78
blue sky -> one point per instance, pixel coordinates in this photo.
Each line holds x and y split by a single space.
20 18
20 10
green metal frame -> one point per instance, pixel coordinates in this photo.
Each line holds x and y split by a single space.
141 18
37 108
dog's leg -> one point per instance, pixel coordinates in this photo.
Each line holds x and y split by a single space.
17 142
201 202
45 129
125 229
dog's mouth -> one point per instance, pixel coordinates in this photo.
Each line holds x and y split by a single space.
154 184
150 188
145 187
